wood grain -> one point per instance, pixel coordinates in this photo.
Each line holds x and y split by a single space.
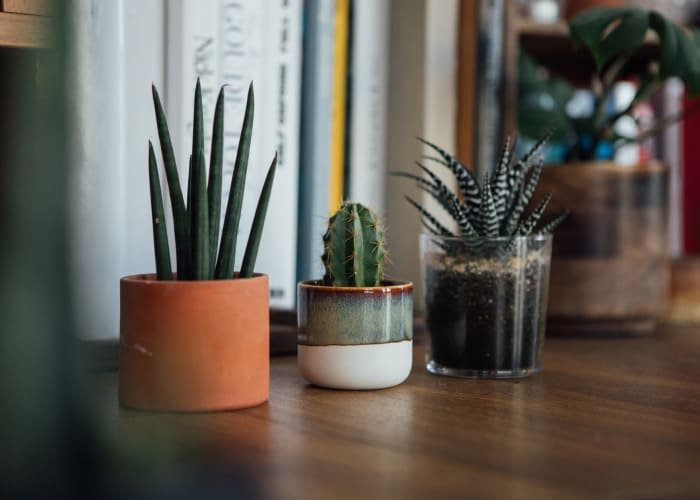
20 30
605 419
35 7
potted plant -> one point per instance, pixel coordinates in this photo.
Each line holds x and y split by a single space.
610 265
198 339
355 327
485 282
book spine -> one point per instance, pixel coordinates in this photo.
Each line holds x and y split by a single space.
193 38
243 29
115 57
368 97
281 91
340 64
316 109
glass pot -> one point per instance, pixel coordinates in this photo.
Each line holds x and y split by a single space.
485 305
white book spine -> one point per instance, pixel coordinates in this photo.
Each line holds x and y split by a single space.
281 90
243 30
193 39
369 66
117 56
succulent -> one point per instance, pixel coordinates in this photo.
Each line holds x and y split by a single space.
197 221
492 209
354 250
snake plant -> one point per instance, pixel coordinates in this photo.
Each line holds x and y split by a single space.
196 220
492 210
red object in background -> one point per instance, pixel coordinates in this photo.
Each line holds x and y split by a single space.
691 180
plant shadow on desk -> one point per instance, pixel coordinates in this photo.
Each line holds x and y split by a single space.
55 443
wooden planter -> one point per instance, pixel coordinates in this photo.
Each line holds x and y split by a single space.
194 345
610 266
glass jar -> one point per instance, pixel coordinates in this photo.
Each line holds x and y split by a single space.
485 305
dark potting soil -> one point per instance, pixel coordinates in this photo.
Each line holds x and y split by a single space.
487 319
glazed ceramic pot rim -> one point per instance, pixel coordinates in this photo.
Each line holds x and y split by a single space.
386 286
535 237
150 278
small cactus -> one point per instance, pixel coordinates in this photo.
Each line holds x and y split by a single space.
354 247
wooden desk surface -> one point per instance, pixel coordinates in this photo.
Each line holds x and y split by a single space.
613 418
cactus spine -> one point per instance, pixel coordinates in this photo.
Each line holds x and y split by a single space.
354 247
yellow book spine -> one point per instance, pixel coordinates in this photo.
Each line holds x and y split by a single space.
340 56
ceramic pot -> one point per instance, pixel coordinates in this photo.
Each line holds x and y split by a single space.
194 345
485 305
610 262
355 338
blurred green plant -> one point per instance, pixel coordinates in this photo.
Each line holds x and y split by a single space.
612 36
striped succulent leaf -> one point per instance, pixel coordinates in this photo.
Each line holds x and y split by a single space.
495 208
528 225
549 227
466 180
447 200
500 180
489 217
427 216
520 201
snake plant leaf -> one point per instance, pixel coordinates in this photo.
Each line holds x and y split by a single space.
679 52
160 235
200 220
256 230
189 188
216 165
499 185
197 122
227 248
181 222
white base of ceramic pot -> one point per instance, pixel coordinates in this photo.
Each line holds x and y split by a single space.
367 366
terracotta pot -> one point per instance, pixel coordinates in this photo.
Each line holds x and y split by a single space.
355 338
610 264
194 345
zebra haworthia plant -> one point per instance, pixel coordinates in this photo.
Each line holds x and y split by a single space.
490 210
353 247
196 220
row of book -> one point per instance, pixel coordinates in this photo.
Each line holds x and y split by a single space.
319 72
